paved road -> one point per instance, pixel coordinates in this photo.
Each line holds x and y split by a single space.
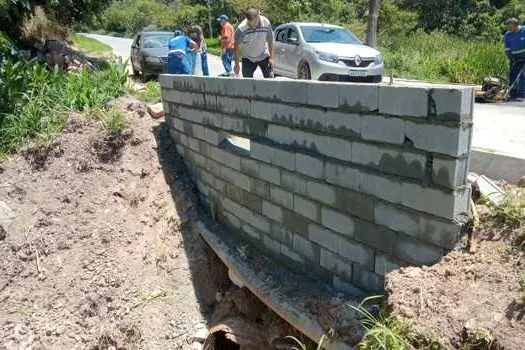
498 128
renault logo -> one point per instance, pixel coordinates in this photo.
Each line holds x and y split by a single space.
358 60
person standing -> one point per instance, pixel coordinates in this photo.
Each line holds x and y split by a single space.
227 43
254 42
515 50
178 60
202 49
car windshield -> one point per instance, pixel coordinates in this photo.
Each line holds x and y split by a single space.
154 41
328 35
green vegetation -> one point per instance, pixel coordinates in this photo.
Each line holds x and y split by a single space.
214 46
113 120
36 100
150 94
448 40
92 47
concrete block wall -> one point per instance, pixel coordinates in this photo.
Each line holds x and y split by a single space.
345 181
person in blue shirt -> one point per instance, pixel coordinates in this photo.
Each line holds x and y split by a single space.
178 59
515 50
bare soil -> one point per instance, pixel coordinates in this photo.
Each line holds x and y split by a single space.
468 301
96 243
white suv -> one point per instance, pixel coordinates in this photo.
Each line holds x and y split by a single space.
324 52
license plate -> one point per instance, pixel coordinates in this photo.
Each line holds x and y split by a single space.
357 73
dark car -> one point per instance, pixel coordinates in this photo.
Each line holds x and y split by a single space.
149 53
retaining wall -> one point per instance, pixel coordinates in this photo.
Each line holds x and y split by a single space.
344 181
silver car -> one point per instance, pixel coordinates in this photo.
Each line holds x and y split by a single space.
324 52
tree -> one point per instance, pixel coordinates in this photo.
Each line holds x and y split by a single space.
373 16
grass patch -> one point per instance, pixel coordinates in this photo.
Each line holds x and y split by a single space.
92 47
36 100
150 94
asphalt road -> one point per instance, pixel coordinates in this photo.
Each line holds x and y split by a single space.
498 127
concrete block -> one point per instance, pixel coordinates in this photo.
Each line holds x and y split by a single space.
385 264
321 192
390 160
452 103
227 158
262 110
284 135
233 220
202 188
382 187
452 141
346 287
251 231
169 95
342 175
323 94
211 102
450 173
250 167
309 165
355 203
297 223
166 81
448 205
342 123
442 233
234 124
396 218
252 202
266 89
375 236
178 124
367 280
260 152
337 221
260 188
180 149
242 87
359 97
332 262
281 233
417 252
283 159
404 101
306 248
303 117
306 208
293 182
272 211
230 105
356 252
323 237
290 254
212 136
199 160
332 147
383 129
271 244
237 178
270 173
281 197
193 115
292 91
198 131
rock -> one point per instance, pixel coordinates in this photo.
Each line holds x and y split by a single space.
200 332
156 111
521 182
196 346
6 214
3 234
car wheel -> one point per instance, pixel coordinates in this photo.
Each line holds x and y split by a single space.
304 71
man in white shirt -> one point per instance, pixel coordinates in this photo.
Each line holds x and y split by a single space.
254 43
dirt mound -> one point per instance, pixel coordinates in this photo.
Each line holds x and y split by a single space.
99 252
475 299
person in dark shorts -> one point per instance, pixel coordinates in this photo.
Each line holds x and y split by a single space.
254 43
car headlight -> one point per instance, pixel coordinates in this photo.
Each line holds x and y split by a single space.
150 59
378 59
325 56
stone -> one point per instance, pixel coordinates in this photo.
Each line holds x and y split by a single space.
156 111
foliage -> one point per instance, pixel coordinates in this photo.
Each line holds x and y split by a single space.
439 57
112 119
36 99
214 46
303 346
150 94
92 47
